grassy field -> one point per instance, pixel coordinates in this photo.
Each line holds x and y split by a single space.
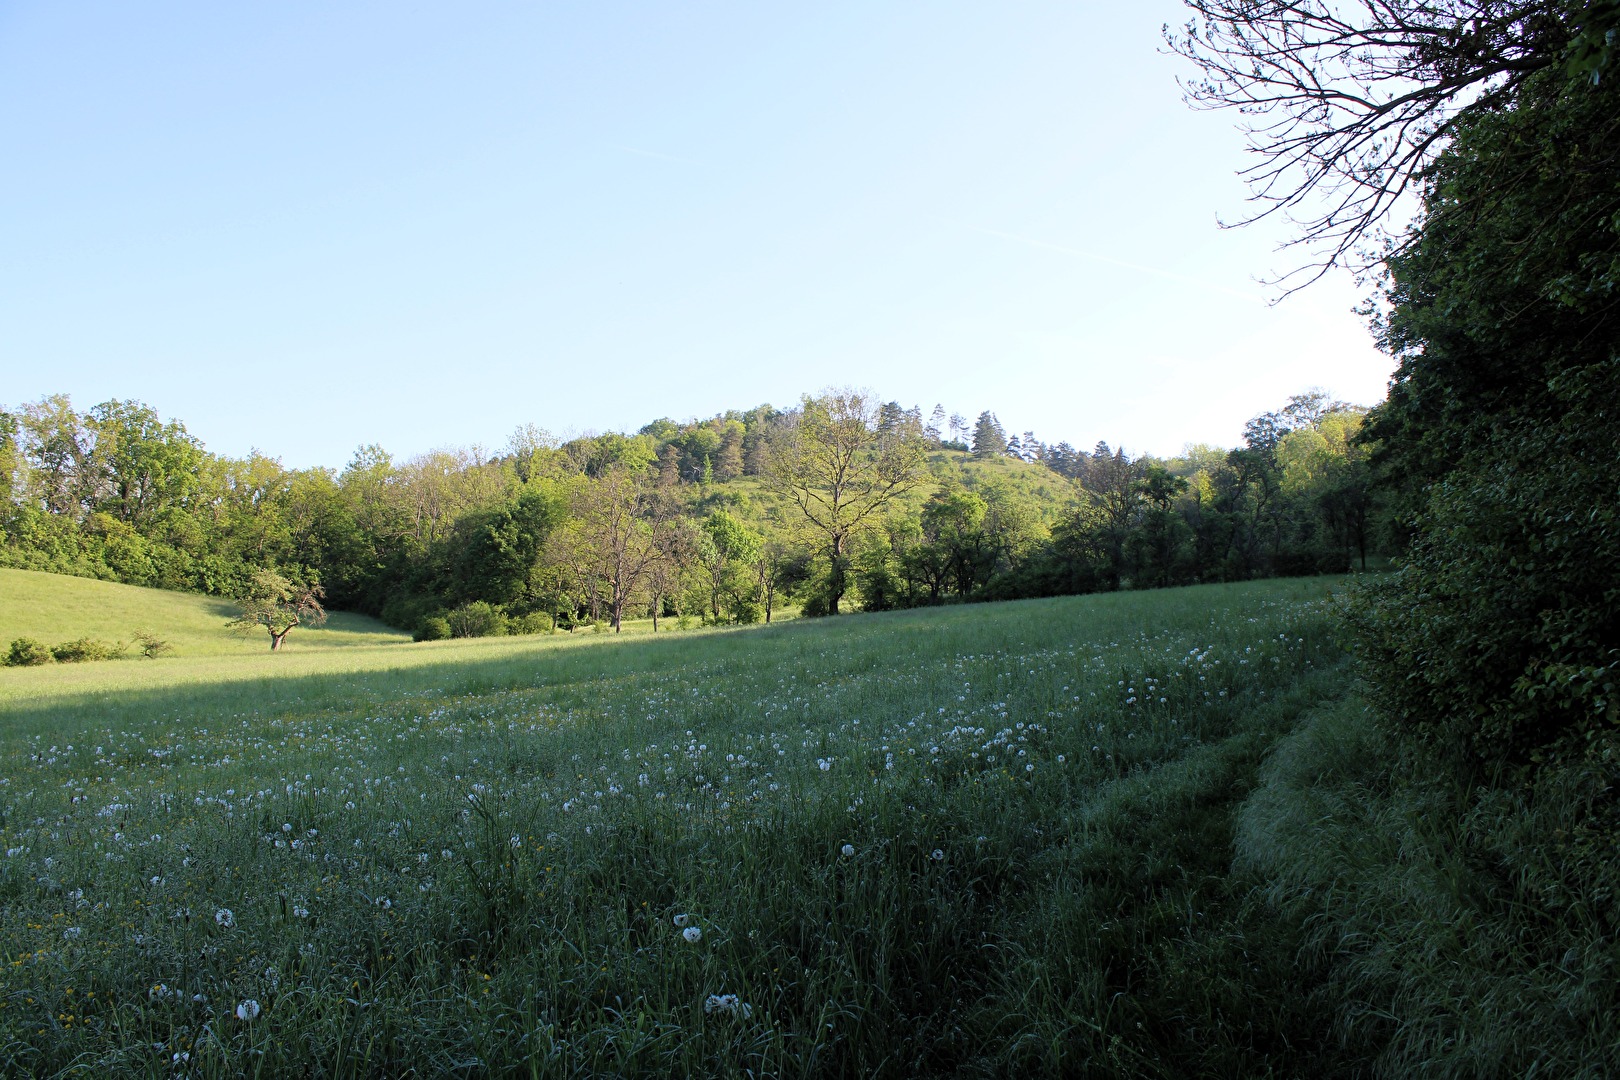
55 607
1041 838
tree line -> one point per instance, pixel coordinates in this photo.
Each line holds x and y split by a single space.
841 501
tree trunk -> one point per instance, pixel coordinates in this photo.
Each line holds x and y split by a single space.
837 582
275 640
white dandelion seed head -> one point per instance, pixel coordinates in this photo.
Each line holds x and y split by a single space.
727 1004
692 934
682 920
938 855
225 917
248 1011
848 850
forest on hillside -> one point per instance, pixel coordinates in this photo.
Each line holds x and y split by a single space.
840 501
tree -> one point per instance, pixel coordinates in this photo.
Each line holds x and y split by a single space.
781 568
840 471
533 452
494 550
988 438
1498 641
728 463
1111 483
953 526
726 553
1348 103
278 604
1162 528
619 535
679 541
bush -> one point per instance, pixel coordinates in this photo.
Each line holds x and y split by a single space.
151 645
535 622
87 648
477 619
406 610
432 628
26 652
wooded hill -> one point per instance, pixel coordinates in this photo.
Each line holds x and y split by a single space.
723 519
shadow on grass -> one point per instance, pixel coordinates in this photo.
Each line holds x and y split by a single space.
577 667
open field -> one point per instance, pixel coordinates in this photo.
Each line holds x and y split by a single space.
55 607
976 840
478 854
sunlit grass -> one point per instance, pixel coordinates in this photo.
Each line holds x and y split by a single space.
55 607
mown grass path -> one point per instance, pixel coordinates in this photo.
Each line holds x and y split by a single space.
973 840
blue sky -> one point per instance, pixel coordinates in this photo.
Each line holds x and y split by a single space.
303 226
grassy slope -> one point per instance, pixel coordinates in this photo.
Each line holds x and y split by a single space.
55 608
558 948
1170 891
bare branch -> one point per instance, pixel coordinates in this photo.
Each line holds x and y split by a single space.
1347 102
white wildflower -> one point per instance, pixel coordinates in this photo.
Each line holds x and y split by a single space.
225 917
729 1004
248 1011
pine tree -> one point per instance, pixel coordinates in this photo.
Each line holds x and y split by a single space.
988 437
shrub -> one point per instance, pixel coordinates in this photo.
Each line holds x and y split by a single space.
87 648
26 652
432 628
151 645
477 619
535 622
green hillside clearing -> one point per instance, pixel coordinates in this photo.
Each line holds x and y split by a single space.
54 608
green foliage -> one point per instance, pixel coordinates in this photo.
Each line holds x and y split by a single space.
1498 641
118 494
87 648
151 645
432 628
27 652
277 604
476 619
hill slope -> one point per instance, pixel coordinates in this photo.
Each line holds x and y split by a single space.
55 608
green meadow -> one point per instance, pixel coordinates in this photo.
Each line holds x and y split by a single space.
55 607
1134 834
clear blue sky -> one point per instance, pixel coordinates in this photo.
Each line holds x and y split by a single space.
306 226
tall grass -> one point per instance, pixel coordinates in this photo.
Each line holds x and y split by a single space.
975 841
1452 931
